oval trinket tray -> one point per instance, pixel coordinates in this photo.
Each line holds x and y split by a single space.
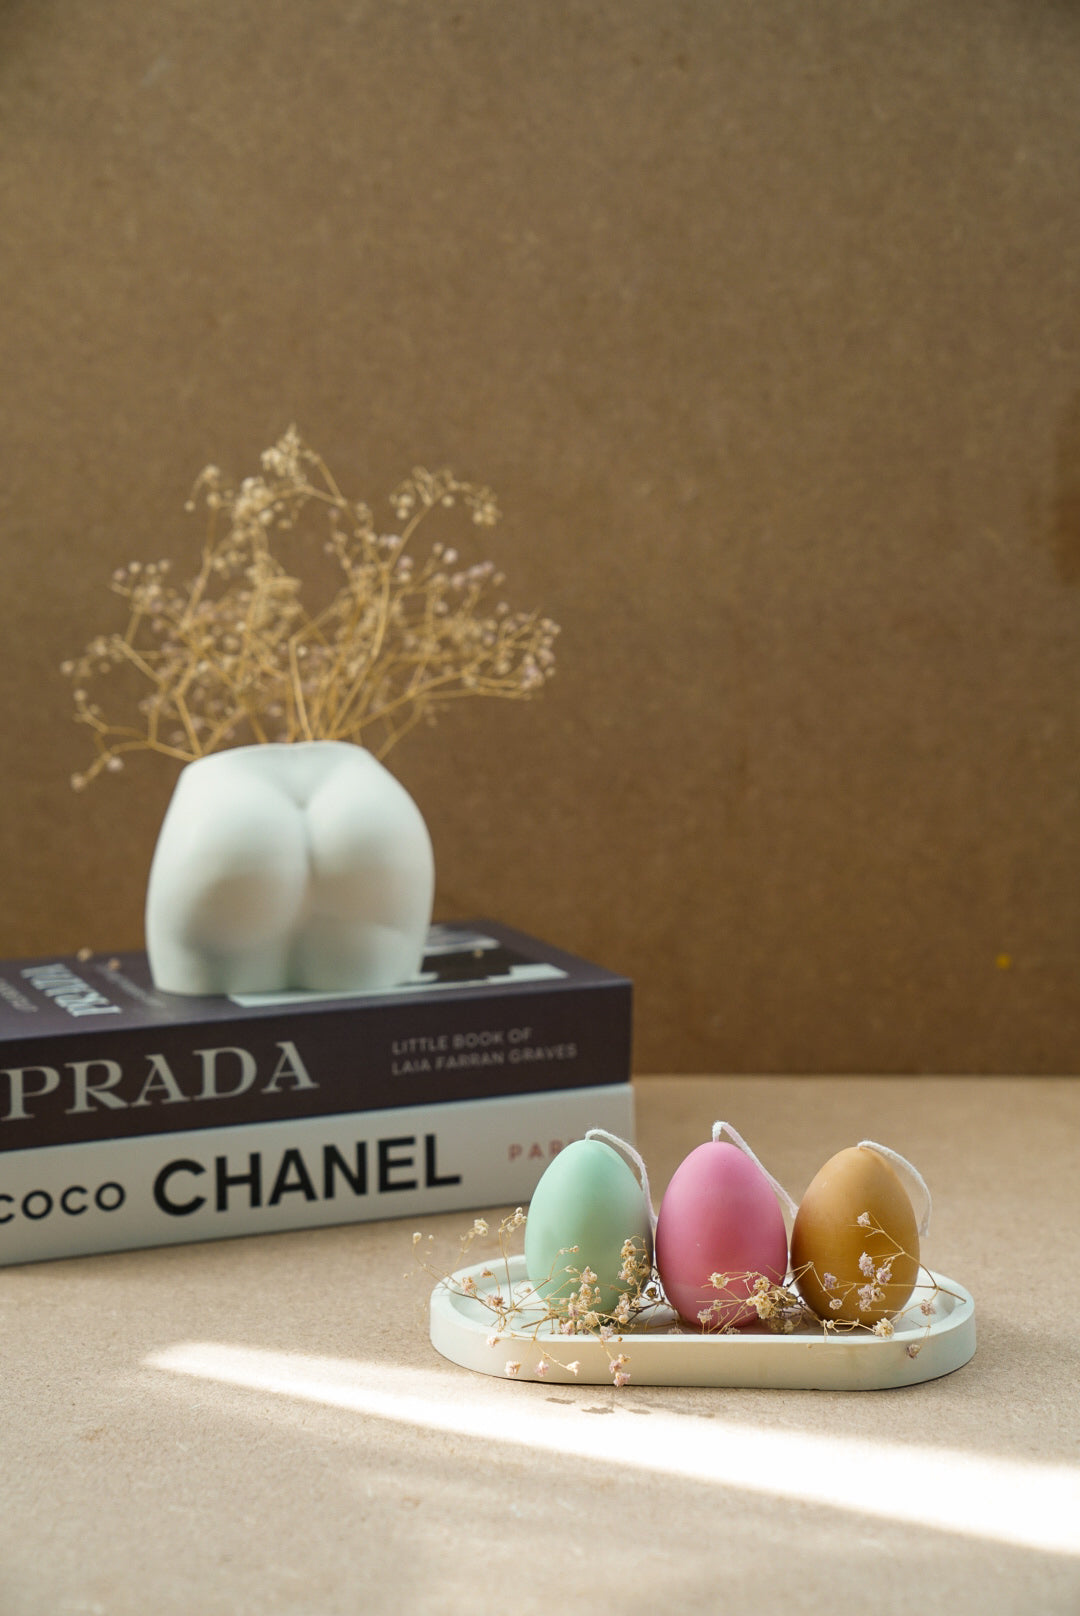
660 1354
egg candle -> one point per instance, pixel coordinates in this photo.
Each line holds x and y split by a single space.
855 1242
587 1205
719 1215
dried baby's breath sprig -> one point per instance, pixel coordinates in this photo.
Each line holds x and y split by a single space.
777 1306
875 1273
235 655
537 1312
521 1310
780 1308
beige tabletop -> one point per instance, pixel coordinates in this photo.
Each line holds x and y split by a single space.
262 1426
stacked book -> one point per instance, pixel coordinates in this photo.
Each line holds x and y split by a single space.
131 1117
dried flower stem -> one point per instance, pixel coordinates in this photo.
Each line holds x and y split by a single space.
527 1311
531 1311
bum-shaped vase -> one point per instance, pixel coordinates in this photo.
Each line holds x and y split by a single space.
280 866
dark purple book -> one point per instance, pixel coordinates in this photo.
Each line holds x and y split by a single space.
91 1050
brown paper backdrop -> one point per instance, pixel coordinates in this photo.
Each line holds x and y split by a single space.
761 318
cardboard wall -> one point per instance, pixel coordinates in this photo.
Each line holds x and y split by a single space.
763 322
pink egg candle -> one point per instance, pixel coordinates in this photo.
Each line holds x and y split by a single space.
719 1215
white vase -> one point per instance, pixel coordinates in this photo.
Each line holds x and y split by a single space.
303 865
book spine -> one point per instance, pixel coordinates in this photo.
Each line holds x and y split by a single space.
262 1178
311 1062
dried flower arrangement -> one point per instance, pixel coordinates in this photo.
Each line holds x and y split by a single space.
234 655
573 1309
781 1307
520 1312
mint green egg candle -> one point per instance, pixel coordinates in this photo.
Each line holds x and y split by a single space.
588 1198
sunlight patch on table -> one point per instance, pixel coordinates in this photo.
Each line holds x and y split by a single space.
1029 1504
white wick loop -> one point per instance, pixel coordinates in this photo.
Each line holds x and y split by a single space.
628 1151
720 1128
913 1176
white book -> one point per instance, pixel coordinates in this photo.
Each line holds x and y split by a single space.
211 1183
